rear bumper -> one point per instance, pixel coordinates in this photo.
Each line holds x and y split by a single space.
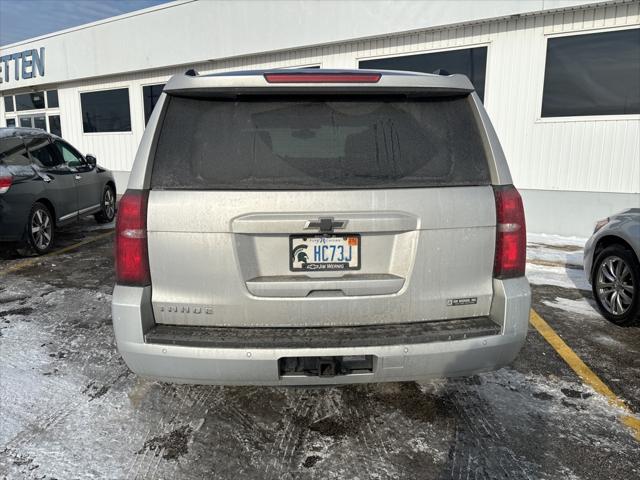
13 219
132 318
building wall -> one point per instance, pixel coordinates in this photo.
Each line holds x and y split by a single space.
573 156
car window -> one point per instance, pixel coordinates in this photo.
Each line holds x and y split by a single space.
70 156
43 152
13 152
282 143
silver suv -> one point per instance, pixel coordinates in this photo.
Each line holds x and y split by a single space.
295 227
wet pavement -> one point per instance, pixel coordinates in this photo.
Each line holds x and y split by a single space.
69 407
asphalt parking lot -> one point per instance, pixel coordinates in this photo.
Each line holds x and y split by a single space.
69 407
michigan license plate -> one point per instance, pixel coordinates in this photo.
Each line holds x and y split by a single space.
324 252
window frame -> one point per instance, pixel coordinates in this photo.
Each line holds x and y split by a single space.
35 112
29 110
106 89
466 46
13 104
46 95
576 118
54 114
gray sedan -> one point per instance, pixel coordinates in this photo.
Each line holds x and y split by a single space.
611 264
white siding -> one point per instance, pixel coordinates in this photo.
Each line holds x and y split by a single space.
581 154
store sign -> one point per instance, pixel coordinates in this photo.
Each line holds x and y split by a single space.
23 65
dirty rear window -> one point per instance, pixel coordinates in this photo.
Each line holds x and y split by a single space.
292 143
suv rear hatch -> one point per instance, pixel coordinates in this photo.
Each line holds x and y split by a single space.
319 208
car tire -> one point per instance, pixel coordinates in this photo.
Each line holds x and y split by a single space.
107 206
40 230
615 283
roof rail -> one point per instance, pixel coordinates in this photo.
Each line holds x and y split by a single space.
441 71
191 72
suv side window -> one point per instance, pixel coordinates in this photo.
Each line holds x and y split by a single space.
13 152
70 156
43 152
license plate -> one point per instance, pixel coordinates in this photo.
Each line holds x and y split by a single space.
324 252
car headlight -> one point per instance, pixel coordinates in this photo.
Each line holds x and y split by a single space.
600 224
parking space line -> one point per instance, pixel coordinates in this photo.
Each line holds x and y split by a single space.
31 261
584 372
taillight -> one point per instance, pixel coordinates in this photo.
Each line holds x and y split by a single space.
5 183
511 233
132 259
322 77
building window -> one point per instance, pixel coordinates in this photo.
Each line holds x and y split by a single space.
30 101
8 103
151 94
54 125
33 121
470 61
592 74
106 111
52 99
11 122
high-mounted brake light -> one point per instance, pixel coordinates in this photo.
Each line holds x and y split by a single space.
322 77
5 183
132 258
511 233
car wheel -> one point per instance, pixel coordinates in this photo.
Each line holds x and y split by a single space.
615 283
40 229
108 206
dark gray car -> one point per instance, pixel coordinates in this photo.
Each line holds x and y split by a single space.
45 183
611 264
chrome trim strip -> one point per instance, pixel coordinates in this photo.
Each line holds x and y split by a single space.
68 215
84 210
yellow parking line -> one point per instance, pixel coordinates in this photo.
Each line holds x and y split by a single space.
31 261
584 372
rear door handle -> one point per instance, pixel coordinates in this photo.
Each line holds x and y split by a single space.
78 177
302 286
360 222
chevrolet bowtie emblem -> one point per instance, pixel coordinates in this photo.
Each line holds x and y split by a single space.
327 224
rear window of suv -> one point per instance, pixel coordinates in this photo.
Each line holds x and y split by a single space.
292 143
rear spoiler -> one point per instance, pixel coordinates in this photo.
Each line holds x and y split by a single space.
280 81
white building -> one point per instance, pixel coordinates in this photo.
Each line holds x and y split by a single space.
560 79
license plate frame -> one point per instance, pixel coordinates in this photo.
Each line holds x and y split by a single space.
326 266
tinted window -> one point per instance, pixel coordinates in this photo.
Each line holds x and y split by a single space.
54 125
592 74
40 122
318 143
151 94
11 122
52 99
470 61
69 155
43 152
13 152
8 103
106 111
29 101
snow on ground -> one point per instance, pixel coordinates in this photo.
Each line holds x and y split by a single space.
582 306
558 276
555 240
555 249
556 260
